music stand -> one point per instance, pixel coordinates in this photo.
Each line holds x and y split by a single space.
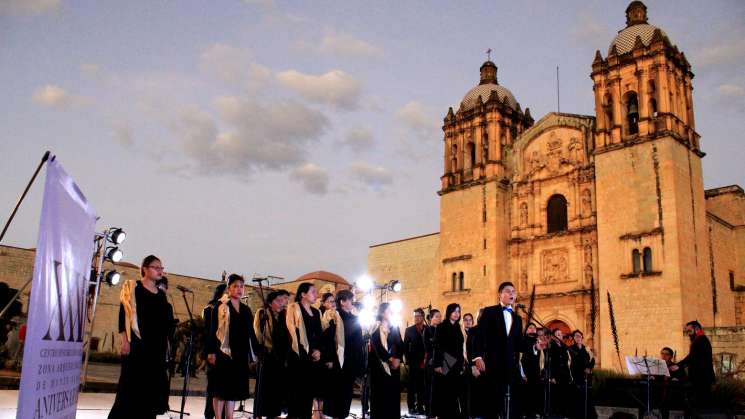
648 367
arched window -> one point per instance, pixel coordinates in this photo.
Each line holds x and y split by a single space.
653 108
472 152
454 284
632 113
636 261
556 212
647 259
608 109
461 282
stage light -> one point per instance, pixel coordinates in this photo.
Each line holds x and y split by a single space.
368 302
118 236
114 254
366 317
395 286
396 306
396 320
112 277
365 283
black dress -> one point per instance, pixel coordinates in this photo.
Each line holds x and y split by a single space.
231 375
272 372
338 403
302 369
143 390
414 347
447 387
581 360
209 411
385 390
561 378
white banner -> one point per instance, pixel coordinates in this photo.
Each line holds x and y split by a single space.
53 353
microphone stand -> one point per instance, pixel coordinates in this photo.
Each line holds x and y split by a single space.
189 350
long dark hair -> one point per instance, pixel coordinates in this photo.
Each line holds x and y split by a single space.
219 291
303 288
449 310
381 310
146 262
325 297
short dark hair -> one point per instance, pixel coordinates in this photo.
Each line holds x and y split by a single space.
219 291
578 331
326 296
419 311
344 295
146 262
381 310
695 324
235 277
532 324
668 350
274 294
303 288
468 315
432 313
504 285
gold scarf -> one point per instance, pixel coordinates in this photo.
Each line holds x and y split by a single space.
326 319
296 325
264 338
129 302
223 324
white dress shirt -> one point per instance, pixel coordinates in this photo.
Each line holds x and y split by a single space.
507 319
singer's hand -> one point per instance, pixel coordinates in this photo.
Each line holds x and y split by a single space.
125 347
315 355
438 370
395 363
480 364
211 358
329 365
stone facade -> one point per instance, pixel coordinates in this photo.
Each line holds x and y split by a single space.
575 208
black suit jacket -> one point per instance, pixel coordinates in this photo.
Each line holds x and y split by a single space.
414 346
700 362
499 350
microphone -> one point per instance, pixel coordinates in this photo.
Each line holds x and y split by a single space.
184 289
522 306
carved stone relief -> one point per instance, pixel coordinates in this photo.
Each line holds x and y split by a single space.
555 264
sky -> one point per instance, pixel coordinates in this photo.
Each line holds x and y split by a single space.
282 138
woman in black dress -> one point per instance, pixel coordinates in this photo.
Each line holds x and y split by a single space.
349 337
328 373
270 327
304 361
236 348
449 361
560 374
385 373
145 324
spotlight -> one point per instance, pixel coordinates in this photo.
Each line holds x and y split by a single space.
366 317
396 306
396 320
112 277
118 236
365 283
114 254
395 286
368 302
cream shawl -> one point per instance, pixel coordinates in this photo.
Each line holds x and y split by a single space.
296 326
223 324
326 319
129 302
265 337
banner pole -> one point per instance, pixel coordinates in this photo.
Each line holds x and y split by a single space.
23 196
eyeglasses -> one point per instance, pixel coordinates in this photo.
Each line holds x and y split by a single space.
157 268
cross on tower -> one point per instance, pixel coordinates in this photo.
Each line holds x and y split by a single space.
488 54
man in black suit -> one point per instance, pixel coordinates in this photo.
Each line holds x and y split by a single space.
700 365
414 353
497 353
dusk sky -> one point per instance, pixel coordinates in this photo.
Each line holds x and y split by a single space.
287 137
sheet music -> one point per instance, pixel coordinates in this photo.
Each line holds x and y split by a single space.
645 365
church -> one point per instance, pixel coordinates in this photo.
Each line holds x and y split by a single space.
592 215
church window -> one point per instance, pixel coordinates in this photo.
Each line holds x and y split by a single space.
632 113
461 282
556 212
653 107
731 280
471 156
647 259
636 261
608 109
454 284
513 132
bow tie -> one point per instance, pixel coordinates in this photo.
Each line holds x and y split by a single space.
508 308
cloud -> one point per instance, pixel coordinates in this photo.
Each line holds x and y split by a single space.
231 65
313 178
335 88
419 131
587 29
89 69
344 45
732 52
731 90
245 136
418 117
56 97
374 177
28 7
122 133
359 139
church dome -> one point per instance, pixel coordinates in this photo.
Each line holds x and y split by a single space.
636 26
488 85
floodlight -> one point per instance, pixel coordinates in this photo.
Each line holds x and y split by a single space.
368 302
112 277
118 236
395 286
365 283
114 254
396 319
396 306
366 317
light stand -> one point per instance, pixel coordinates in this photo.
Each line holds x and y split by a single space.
189 350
